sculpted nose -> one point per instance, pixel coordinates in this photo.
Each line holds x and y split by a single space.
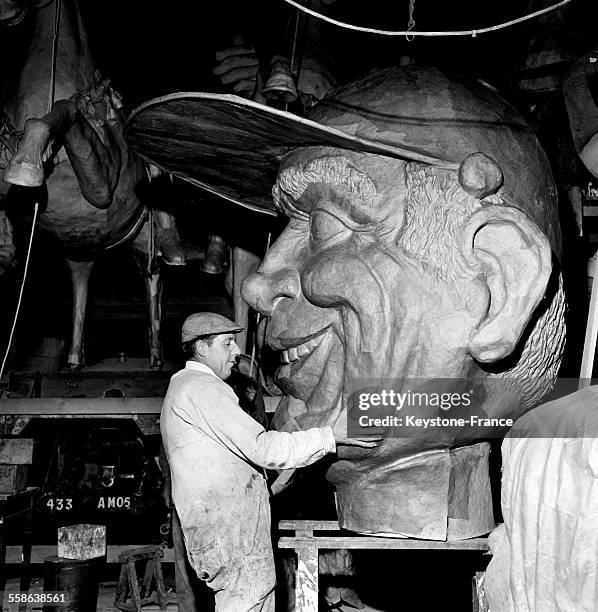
261 290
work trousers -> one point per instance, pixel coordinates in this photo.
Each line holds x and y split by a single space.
236 560
183 572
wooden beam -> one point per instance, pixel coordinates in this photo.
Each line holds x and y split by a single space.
380 543
80 406
308 525
91 406
306 582
39 553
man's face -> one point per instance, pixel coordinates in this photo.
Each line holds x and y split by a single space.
345 300
221 354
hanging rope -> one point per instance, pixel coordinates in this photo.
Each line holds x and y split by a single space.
411 22
14 322
473 33
52 88
51 95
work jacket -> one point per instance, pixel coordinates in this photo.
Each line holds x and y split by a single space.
215 452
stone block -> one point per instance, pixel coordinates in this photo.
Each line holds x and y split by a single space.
82 541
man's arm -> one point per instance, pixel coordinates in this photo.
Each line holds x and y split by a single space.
221 417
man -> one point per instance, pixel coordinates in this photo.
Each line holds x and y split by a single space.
215 451
422 244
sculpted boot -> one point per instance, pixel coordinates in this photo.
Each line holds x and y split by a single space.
216 259
168 241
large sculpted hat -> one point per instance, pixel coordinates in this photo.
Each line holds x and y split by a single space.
233 147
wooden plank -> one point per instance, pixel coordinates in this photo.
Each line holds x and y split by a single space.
379 543
80 406
88 406
113 552
144 552
16 450
306 582
132 382
308 525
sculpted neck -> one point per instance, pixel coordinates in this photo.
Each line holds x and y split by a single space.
74 66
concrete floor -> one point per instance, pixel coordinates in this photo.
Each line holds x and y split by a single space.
106 595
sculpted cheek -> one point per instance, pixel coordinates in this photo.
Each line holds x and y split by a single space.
332 279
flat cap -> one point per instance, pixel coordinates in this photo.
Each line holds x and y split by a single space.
206 323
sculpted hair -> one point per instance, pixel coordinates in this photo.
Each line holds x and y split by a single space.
437 210
335 170
435 213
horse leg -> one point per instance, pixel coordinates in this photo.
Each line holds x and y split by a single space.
153 292
96 164
243 264
80 271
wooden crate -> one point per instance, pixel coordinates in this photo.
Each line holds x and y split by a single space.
13 478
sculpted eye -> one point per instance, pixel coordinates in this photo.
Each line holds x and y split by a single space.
326 228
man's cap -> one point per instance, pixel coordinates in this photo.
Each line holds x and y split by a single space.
207 323
233 147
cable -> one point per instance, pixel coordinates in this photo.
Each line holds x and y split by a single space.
14 323
259 316
51 95
473 33
52 89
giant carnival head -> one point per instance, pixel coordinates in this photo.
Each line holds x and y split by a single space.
422 244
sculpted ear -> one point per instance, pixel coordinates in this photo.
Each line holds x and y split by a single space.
515 258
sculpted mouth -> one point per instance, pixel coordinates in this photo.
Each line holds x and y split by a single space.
302 355
302 350
311 368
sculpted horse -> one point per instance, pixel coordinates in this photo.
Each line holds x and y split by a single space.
61 134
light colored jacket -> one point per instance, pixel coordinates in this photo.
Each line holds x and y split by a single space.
215 450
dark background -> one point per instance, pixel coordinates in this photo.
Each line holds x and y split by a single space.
150 48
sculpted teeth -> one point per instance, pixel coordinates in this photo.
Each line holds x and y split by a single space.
297 352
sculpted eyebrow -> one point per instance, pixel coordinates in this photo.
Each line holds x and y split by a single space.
285 202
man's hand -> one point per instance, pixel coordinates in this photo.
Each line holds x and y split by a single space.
362 442
238 68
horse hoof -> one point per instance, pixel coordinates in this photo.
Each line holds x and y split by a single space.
73 367
24 174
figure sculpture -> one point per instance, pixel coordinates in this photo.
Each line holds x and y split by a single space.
422 243
61 134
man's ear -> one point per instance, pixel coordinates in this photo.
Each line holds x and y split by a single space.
515 259
199 348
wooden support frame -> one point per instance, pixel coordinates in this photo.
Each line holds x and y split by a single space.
307 546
